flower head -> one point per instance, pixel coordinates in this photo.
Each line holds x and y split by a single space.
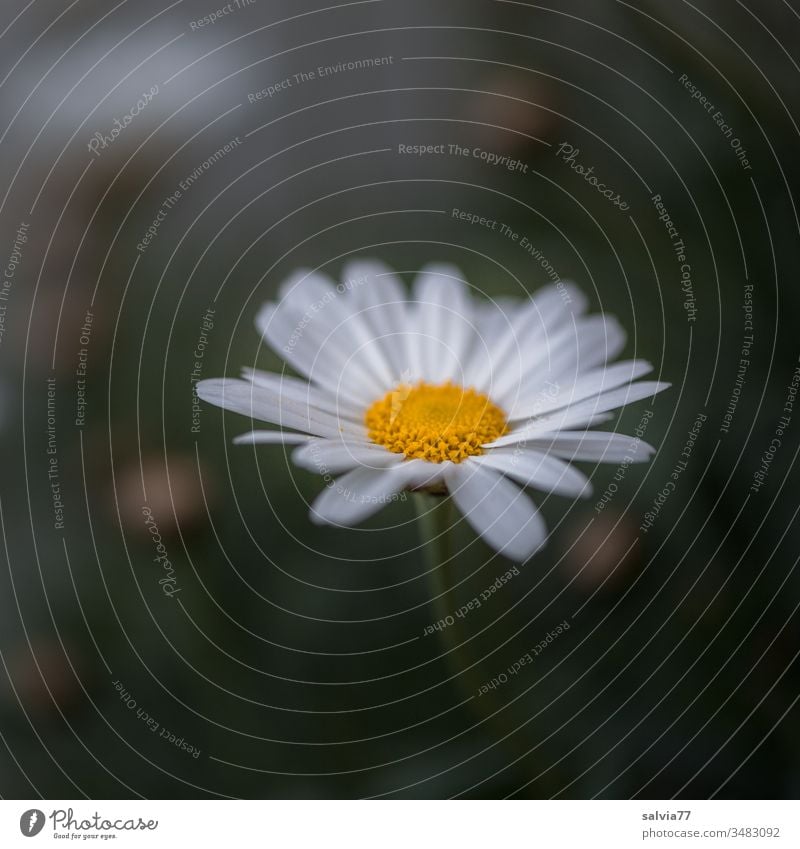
439 391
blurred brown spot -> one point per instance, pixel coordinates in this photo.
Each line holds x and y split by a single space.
42 677
169 487
603 552
520 110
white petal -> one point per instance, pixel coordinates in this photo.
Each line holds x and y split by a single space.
271 437
497 509
590 384
559 303
596 446
304 393
383 300
537 469
492 321
593 341
549 314
443 326
295 342
319 318
559 357
257 402
370 281
361 492
521 435
304 287
317 329
577 415
330 457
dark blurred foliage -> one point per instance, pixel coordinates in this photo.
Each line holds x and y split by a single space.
294 656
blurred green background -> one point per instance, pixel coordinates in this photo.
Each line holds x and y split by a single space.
294 657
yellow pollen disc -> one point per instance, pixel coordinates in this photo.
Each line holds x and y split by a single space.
434 423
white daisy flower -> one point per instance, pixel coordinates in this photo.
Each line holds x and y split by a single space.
439 392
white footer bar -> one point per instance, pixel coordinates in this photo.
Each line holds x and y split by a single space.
401 824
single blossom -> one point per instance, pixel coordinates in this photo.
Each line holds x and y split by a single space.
439 391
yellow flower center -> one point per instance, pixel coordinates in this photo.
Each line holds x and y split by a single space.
434 423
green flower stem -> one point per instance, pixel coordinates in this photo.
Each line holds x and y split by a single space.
435 513
435 517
